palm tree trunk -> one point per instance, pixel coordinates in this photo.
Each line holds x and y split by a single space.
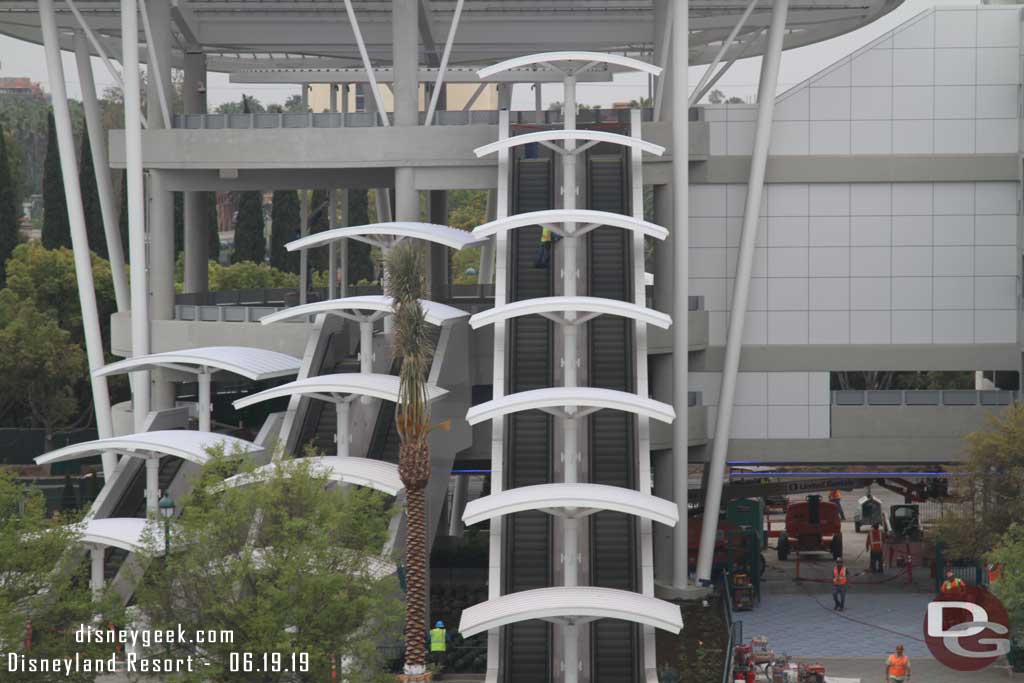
414 468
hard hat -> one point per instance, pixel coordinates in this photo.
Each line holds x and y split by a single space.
439 624
839 560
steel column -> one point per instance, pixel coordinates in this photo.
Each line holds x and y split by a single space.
738 309
680 237
79 236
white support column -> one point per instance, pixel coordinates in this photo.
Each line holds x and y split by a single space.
680 238
341 428
101 168
161 271
204 406
439 82
79 237
136 205
459 498
538 101
304 253
157 27
332 248
486 269
197 229
744 268
97 578
365 346
152 484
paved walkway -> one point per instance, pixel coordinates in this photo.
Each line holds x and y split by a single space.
924 670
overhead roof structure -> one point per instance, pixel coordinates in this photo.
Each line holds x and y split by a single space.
551 306
126 533
375 385
259 34
180 443
584 218
374 474
577 605
573 501
587 135
356 307
586 56
453 74
252 363
585 400
388 234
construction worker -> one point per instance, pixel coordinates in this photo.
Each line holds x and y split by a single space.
994 572
873 544
438 642
836 496
952 584
839 582
897 667
543 259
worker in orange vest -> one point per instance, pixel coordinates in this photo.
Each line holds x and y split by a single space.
836 496
839 581
994 572
952 584
897 667
873 544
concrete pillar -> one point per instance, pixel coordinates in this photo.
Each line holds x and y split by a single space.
97 578
341 428
438 262
204 406
152 484
459 498
197 231
406 92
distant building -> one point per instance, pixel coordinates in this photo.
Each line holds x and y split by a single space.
20 87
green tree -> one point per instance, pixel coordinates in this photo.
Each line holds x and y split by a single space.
45 582
213 223
284 227
249 275
360 263
56 226
250 244
319 221
407 285
466 210
8 208
91 200
1010 586
990 491
285 564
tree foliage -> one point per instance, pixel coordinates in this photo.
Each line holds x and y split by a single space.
286 564
284 227
56 226
91 200
250 244
991 488
8 208
360 263
319 221
45 583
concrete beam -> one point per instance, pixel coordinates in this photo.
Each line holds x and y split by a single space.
837 357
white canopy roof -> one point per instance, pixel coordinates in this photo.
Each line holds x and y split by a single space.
387 234
546 58
583 219
181 443
375 474
586 135
253 363
323 386
551 306
575 605
120 532
571 500
354 308
587 399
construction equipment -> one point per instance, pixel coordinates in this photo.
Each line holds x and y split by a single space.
869 512
905 523
812 525
742 592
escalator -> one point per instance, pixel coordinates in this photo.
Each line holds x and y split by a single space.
528 456
615 645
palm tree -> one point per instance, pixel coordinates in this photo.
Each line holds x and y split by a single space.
407 285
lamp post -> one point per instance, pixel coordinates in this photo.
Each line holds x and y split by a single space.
166 507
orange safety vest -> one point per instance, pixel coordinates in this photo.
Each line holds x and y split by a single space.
956 584
897 666
875 540
835 494
994 573
839 576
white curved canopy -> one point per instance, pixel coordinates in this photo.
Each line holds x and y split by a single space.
181 443
585 399
575 605
573 501
375 474
546 58
586 135
120 532
583 219
388 234
375 385
590 306
355 308
253 363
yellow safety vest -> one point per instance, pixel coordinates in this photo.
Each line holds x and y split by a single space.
438 640
545 234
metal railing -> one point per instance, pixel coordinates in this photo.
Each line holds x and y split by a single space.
735 629
923 397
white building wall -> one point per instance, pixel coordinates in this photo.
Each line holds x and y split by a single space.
771 405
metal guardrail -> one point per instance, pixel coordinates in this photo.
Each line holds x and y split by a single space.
277 120
735 629
923 397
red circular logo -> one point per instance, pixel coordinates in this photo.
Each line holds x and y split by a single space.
956 634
